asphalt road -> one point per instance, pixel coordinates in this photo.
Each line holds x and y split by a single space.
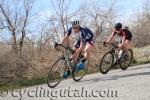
131 84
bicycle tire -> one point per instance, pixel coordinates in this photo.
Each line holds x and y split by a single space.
105 71
77 75
50 83
130 61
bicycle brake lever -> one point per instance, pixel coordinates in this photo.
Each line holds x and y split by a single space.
55 46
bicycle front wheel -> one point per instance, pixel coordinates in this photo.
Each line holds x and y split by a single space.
106 62
55 74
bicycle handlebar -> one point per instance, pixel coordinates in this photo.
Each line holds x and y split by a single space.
114 44
66 47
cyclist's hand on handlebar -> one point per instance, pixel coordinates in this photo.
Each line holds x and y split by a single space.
105 43
118 47
56 46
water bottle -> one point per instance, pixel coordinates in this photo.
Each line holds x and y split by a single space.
120 54
80 66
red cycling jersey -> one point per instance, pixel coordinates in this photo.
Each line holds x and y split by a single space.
122 33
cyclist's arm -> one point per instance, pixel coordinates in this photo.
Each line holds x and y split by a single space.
65 39
109 40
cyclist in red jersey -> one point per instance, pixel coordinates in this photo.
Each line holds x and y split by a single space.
125 34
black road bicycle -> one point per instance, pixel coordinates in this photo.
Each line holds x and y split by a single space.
63 64
112 58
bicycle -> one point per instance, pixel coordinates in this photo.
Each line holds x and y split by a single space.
65 64
111 58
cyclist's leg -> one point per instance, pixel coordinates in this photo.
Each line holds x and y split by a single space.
127 46
87 50
76 46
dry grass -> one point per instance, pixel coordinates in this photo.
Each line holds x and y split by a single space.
35 63
142 54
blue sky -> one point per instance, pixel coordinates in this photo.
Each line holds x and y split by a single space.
127 8
124 9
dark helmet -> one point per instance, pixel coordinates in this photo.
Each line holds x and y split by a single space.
118 26
75 23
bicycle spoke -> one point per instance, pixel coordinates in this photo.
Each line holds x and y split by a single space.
77 75
106 63
126 59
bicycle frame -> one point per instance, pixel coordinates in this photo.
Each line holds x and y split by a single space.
66 57
113 51
66 65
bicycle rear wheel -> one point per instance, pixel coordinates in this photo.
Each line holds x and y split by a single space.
55 74
126 59
106 62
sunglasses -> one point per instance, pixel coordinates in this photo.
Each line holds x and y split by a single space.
75 27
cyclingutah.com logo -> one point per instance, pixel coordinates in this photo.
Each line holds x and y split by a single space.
44 92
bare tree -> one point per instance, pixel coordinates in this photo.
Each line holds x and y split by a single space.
60 8
146 12
15 16
141 26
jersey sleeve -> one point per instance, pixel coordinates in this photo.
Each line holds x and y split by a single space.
69 31
89 31
123 33
83 37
